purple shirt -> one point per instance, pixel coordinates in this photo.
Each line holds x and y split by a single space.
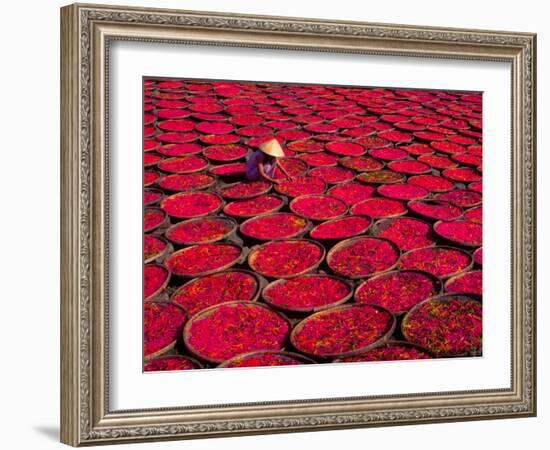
253 165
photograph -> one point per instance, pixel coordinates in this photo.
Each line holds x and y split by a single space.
288 224
275 223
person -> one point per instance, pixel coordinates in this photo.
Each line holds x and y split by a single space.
262 162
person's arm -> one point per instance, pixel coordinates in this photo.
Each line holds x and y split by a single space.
282 169
261 169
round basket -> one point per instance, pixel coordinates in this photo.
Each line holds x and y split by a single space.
228 191
269 221
226 228
383 176
153 218
258 250
152 196
415 207
362 227
307 309
169 204
151 159
437 289
464 226
320 197
410 336
456 285
403 191
300 186
361 163
352 193
464 198
384 266
216 152
228 171
270 203
178 182
150 177
191 273
379 338
422 258
333 175
212 295
169 165
371 207
204 314
159 285
380 227
171 325
154 256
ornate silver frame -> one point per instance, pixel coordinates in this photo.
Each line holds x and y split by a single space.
86 31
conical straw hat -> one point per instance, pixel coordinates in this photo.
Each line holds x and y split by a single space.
272 148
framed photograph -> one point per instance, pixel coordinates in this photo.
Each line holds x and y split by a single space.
278 224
